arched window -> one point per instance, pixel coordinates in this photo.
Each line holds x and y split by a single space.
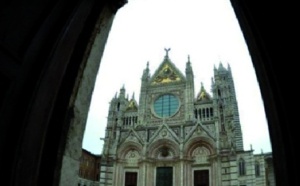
242 167
219 92
199 113
118 106
207 112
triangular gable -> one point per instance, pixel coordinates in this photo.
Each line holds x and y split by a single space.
203 95
132 105
199 130
164 131
132 136
167 72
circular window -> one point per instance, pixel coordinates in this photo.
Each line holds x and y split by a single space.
166 105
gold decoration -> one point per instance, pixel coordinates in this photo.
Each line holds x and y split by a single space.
131 105
166 75
202 95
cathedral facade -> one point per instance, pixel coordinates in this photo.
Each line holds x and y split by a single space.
174 137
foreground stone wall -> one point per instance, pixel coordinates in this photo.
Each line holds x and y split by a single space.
82 97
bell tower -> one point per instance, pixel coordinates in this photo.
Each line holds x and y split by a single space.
225 102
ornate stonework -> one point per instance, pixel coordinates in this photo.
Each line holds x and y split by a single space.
174 134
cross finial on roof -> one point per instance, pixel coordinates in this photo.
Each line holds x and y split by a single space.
167 51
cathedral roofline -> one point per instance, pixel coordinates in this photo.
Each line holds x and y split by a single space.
167 72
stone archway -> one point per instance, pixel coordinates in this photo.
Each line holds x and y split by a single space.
26 161
50 55
81 96
163 149
202 145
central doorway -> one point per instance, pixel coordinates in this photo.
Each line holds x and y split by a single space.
201 178
164 176
131 179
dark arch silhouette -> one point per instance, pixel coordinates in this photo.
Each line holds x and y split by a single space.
45 47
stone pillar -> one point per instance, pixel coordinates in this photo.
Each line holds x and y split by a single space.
143 174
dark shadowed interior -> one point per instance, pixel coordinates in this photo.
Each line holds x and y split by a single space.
46 47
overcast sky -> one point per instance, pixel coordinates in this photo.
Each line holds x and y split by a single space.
206 30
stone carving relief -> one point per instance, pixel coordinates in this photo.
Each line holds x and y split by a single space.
188 130
151 133
132 137
200 155
165 153
143 135
132 157
198 131
164 133
176 131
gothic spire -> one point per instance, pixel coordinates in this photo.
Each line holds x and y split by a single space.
122 91
146 74
188 68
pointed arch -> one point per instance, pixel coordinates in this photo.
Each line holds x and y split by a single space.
160 146
126 147
197 142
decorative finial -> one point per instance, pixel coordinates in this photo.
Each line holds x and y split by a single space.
188 58
147 64
167 51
